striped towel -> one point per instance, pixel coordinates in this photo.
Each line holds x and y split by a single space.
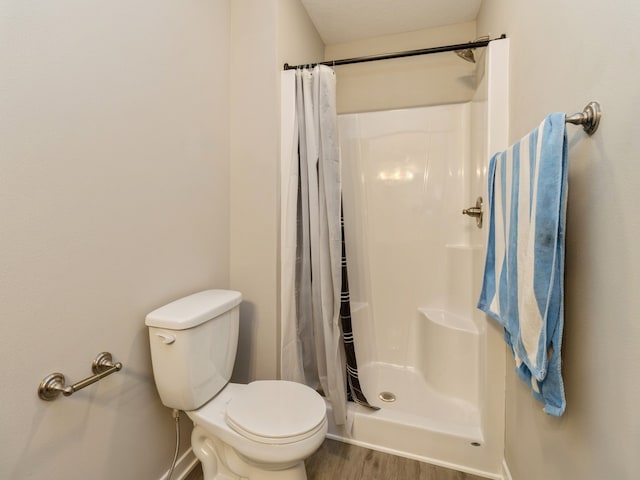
524 269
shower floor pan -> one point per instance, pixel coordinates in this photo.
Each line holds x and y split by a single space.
421 423
416 403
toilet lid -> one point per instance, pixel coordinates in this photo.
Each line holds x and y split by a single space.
276 411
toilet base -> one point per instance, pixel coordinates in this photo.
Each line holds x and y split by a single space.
221 462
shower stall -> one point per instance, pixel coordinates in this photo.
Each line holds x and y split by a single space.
431 362
427 357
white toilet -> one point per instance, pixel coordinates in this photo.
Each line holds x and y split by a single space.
263 430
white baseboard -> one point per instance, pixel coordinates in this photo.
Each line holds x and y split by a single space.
506 474
184 465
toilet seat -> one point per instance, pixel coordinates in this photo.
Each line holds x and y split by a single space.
276 412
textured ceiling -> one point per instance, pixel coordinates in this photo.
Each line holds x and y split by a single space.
344 20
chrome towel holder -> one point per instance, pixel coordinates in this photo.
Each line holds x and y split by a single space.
589 118
54 384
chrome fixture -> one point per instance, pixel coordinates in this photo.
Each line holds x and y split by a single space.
53 385
467 53
387 397
589 118
475 212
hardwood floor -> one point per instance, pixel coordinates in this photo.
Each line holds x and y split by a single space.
341 461
195 474
336 460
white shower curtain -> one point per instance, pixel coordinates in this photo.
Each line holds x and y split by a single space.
312 351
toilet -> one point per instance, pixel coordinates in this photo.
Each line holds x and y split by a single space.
260 431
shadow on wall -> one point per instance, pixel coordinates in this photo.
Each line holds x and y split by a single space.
137 386
244 368
44 446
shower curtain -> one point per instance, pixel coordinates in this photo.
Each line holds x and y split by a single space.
317 343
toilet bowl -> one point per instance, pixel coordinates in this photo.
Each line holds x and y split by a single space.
263 430
260 431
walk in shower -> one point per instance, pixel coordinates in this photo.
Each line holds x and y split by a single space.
427 357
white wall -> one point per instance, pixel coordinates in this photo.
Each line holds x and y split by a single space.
405 181
404 82
265 35
113 201
563 55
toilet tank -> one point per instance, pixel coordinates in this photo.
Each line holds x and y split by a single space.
193 346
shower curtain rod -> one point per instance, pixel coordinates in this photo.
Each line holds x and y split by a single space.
408 53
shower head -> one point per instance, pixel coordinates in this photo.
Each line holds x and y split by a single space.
467 54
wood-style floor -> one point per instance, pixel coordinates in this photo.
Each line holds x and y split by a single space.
341 461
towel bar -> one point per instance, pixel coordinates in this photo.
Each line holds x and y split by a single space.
589 118
53 385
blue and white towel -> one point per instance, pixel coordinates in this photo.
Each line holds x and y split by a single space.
524 270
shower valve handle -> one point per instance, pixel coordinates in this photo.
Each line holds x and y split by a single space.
475 212
472 211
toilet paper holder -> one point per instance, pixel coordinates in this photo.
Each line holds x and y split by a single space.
54 384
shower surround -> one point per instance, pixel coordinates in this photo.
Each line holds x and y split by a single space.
427 357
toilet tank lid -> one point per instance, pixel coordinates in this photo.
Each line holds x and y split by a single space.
191 311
